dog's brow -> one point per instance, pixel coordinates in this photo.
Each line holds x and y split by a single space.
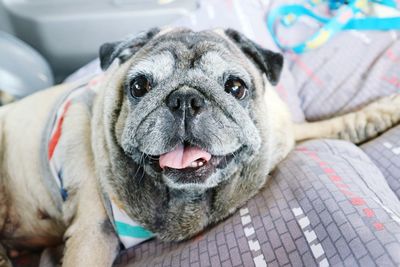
159 65
214 63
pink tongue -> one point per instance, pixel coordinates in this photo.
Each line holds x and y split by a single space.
182 157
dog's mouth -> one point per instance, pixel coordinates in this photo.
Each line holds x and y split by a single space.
188 164
185 157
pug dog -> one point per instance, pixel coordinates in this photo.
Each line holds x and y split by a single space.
181 130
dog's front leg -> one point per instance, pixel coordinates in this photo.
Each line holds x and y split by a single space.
358 126
90 240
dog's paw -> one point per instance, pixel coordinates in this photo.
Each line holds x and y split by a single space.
371 121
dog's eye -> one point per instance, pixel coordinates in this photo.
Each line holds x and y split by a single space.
236 87
139 86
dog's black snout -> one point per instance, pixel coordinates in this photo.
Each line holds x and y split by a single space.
186 101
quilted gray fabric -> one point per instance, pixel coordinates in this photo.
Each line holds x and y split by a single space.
384 151
347 73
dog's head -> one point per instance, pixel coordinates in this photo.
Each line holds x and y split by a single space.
189 102
182 129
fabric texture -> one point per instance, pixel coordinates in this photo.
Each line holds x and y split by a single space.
384 151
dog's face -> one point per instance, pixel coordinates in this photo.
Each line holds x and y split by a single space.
182 128
189 102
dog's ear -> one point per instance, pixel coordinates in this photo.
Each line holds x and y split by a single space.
269 62
123 50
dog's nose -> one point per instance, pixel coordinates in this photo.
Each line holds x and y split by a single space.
188 101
